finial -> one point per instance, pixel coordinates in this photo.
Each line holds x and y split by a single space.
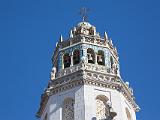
105 36
83 13
115 49
71 34
127 83
56 44
74 29
61 38
111 42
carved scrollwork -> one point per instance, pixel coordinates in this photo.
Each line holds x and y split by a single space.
68 109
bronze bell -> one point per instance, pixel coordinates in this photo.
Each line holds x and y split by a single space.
90 58
100 59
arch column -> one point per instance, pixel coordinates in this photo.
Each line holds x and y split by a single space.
62 60
96 58
71 59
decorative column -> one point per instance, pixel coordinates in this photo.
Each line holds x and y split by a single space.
71 59
96 58
62 55
84 55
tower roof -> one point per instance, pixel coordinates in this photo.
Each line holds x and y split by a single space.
84 24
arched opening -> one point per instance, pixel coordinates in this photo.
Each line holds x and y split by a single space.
68 109
102 109
76 57
111 61
91 55
66 60
100 58
128 114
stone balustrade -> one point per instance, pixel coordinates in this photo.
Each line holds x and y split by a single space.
69 70
86 66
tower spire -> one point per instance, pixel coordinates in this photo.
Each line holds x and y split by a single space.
71 34
105 36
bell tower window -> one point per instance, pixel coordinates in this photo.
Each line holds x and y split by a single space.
91 55
67 60
100 58
76 57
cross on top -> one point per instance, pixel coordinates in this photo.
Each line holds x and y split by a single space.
84 13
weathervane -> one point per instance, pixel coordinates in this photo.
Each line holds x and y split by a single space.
84 13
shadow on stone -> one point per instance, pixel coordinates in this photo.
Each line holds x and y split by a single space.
94 118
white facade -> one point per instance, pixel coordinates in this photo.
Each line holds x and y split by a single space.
85 103
55 104
85 80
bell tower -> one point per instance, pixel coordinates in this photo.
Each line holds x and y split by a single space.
85 82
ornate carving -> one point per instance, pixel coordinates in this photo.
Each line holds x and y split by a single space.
102 110
87 66
53 73
68 109
83 76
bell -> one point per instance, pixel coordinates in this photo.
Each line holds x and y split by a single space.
100 59
90 58
76 60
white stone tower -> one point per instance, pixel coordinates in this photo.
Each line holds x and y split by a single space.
85 81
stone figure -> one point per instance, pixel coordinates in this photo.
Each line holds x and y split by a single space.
53 73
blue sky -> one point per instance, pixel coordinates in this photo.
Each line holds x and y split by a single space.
29 30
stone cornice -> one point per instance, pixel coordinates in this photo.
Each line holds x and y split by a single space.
86 77
43 103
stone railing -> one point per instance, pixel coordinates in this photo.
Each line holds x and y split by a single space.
69 70
86 66
71 41
98 68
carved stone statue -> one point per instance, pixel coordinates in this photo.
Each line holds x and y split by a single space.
53 73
